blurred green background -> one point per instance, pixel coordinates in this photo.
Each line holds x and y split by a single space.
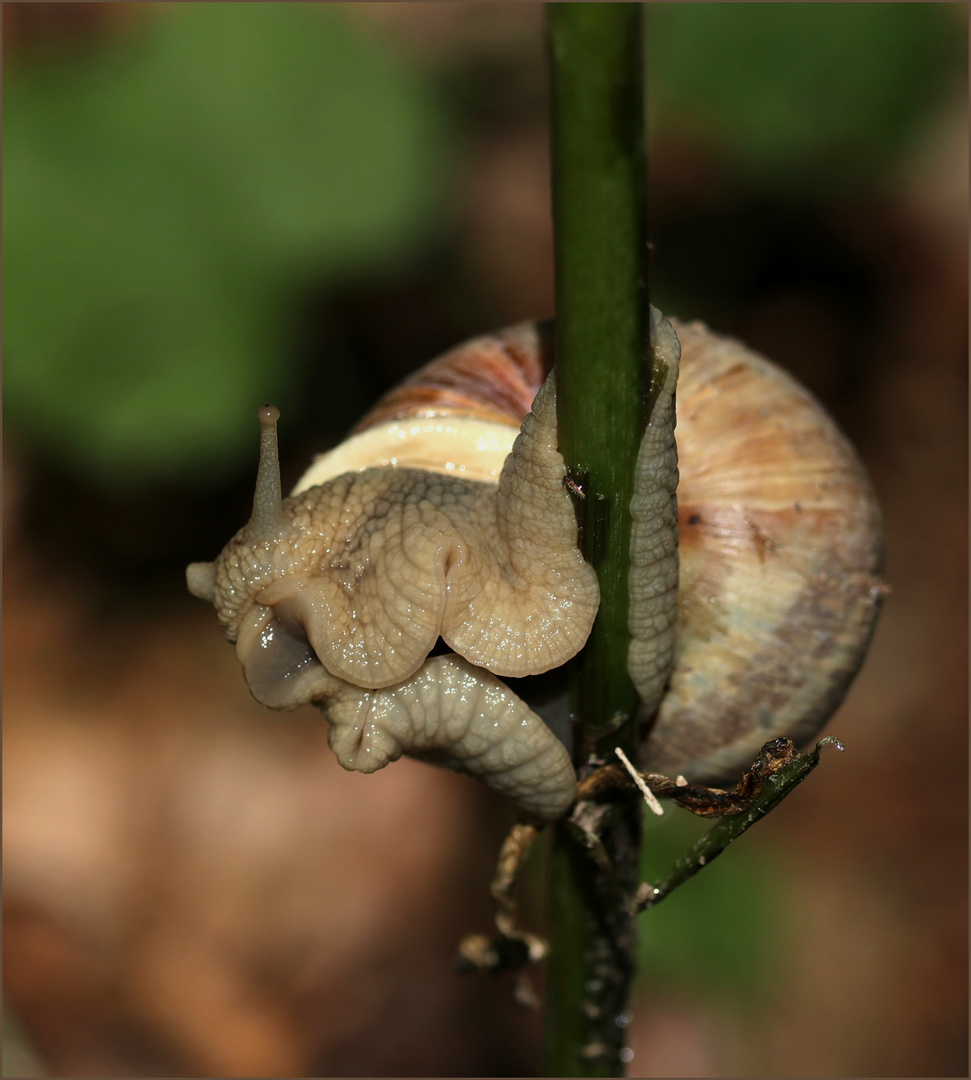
169 194
166 196
208 206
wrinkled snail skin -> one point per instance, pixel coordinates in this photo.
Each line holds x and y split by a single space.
455 714
438 518
346 586
653 573
373 567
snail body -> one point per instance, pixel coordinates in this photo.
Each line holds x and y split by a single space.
445 515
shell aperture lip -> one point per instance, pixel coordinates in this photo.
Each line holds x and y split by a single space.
476 450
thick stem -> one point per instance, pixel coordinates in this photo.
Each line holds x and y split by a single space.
599 213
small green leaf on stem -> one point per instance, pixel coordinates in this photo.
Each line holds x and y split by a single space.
709 846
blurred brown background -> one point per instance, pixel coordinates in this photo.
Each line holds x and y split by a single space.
192 886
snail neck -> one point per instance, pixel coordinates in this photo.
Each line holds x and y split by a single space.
267 516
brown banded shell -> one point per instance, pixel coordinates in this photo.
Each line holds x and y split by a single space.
780 546
780 536
493 378
458 415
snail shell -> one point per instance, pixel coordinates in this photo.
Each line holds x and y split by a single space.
780 538
780 548
780 545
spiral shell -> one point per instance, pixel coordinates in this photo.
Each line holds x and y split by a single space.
780 543
780 538
458 415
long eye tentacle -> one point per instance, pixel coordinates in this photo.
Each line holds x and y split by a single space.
267 516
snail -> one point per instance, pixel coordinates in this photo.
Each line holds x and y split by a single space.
445 515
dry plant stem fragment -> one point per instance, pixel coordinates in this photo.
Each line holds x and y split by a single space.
699 800
445 514
514 947
773 777
513 855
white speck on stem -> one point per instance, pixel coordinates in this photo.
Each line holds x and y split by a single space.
649 796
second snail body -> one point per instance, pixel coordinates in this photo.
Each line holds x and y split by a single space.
436 519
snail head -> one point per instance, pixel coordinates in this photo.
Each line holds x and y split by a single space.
280 665
353 581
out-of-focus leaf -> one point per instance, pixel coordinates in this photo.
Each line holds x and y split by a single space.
325 146
163 196
124 346
723 934
822 93
731 935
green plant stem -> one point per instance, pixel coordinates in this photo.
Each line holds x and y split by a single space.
599 215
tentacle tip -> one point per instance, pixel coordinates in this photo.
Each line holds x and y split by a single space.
200 578
267 415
